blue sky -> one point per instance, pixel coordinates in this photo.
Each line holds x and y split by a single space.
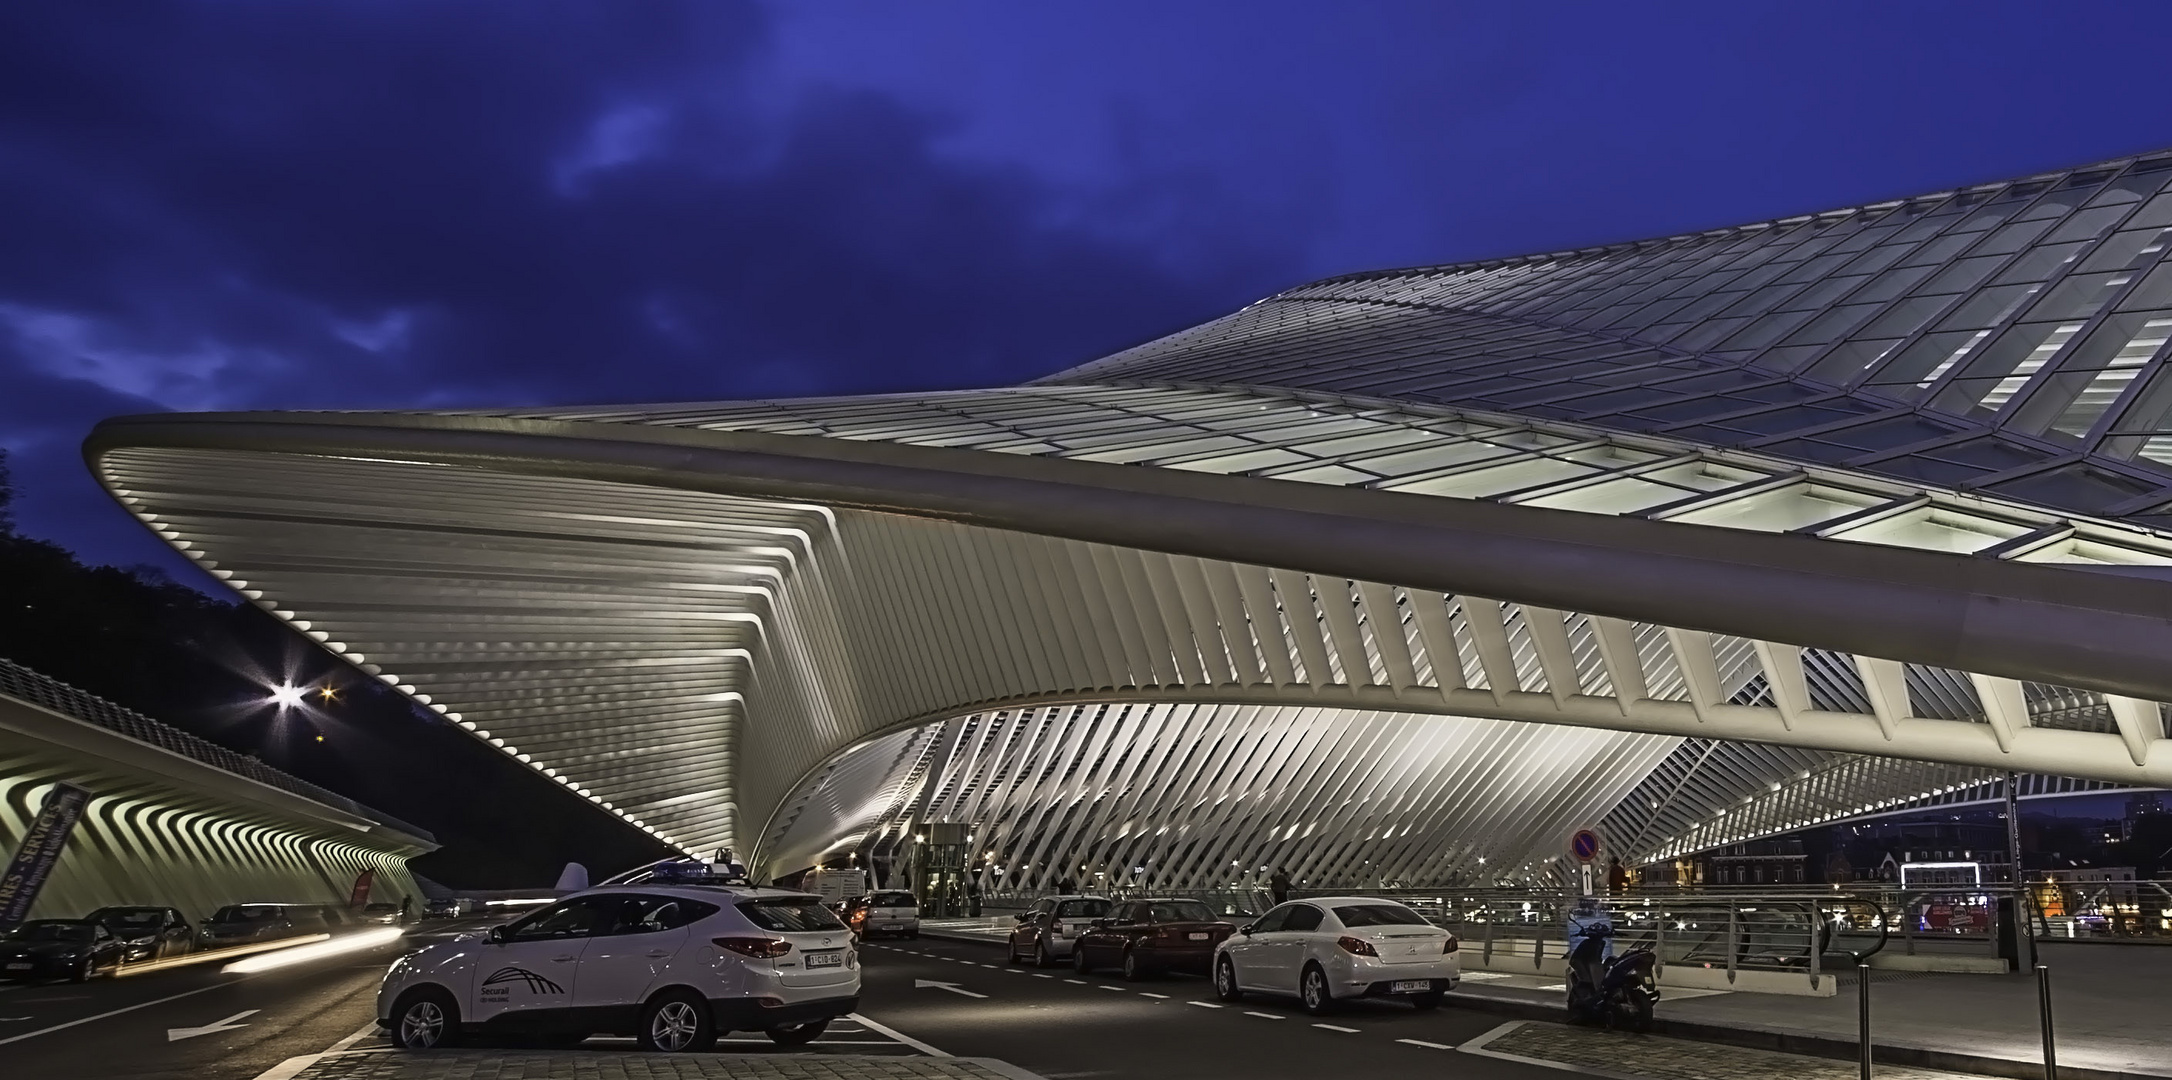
236 204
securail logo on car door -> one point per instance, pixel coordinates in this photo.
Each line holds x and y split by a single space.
499 985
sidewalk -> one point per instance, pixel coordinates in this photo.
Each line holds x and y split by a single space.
2109 1003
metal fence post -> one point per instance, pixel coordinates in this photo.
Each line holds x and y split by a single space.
1734 928
2043 1002
1862 1019
1817 948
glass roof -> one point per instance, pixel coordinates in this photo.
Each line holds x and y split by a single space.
1431 451
2009 337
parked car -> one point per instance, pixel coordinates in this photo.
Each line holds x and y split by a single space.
885 912
452 907
146 933
1148 937
379 914
675 966
247 924
72 949
1328 949
1046 931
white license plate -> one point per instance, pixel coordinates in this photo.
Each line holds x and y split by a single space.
825 959
24 966
1198 935
1411 986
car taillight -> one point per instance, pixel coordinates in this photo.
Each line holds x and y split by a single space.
1356 946
754 946
1450 945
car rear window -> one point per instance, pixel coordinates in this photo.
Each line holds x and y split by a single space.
1083 909
52 931
1182 911
895 899
141 916
790 914
1379 915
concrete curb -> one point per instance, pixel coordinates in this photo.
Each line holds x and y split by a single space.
1784 1041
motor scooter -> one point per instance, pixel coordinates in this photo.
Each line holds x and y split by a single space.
1614 991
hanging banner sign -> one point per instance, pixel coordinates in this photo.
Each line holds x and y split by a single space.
34 861
361 894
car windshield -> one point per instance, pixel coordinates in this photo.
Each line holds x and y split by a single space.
131 917
51 931
790 914
895 899
246 913
1181 911
1083 909
1379 915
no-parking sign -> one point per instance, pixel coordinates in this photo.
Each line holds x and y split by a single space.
1584 845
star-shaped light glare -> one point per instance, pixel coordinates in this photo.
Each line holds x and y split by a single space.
286 695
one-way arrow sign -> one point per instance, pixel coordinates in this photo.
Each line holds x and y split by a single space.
228 1024
922 984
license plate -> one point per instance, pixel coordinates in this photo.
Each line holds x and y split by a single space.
1199 935
25 966
825 959
1411 986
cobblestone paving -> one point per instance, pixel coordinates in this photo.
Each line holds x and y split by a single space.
1676 1059
578 1065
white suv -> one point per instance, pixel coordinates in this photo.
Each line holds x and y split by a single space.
673 965
1335 947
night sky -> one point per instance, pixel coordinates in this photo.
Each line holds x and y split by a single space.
388 204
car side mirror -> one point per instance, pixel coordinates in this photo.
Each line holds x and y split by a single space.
1024 916
1103 924
1246 929
497 935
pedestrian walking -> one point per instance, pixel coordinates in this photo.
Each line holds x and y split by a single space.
1279 885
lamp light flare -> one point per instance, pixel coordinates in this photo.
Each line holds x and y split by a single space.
286 695
302 954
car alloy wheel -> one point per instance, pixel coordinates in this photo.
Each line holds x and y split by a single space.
1040 954
1132 971
1312 990
673 1026
1078 957
1225 980
424 1022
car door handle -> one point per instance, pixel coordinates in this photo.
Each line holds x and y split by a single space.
659 953
563 959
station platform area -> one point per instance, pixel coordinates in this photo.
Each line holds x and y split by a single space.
2108 1007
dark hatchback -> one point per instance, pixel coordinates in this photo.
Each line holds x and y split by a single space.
247 924
1148 937
146 933
73 949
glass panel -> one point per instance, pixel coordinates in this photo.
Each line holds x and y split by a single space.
1933 529
1495 479
2075 487
1245 462
1792 507
1625 495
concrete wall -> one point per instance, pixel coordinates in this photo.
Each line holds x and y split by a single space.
164 829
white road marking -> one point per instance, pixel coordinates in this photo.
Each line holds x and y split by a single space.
228 1024
115 1012
1427 1045
1164 997
1478 1046
896 1034
1331 1027
1039 975
1204 1004
1076 982
1267 1016
368 1030
930 984
1106 986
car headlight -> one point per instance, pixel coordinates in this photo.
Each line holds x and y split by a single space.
147 939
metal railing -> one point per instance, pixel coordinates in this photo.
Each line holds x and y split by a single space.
25 685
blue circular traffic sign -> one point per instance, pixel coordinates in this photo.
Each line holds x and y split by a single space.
1584 845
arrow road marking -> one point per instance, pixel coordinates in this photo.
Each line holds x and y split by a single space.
922 984
228 1024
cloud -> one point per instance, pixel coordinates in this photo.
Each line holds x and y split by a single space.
384 204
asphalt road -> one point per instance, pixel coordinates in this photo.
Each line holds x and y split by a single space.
1051 1022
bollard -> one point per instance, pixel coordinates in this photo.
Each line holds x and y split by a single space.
1862 1019
2043 1003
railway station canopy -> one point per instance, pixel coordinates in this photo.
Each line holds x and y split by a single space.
1390 578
